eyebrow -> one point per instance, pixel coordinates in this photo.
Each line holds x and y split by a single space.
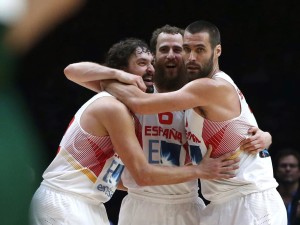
198 45
144 59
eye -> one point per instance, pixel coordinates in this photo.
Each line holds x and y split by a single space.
199 50
142 63
177 50
186 49
164 50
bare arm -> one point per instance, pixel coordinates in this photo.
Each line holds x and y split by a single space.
200 92
120 127
89 75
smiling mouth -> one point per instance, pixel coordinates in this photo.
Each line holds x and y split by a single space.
170 65
148 80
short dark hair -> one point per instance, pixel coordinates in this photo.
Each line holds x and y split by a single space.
205 26
165 29
118 55
286 152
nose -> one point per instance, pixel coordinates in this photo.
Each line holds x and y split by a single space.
192 56
150 69
171 54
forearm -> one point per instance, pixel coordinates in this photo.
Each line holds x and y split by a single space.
162 175
143 103
128 94
89 71
89 74
209 168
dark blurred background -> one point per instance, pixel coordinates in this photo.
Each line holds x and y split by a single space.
260 42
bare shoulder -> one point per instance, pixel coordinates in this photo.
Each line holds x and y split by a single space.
109 105
103 113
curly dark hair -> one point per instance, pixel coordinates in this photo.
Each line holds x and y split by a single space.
119 54
165 29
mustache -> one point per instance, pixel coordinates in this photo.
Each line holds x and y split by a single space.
147 76
192 64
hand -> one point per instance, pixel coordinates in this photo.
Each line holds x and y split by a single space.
258 141
129 78
217 168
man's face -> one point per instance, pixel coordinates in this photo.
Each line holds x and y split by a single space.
140 63
288 169
199 57
169 67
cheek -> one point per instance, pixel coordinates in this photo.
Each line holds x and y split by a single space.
141 71
161 58
179 56
137 71
185 56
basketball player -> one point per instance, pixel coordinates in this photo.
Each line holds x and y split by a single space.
99 139
217 114
165 204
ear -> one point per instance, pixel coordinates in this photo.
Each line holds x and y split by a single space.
218 50
154 58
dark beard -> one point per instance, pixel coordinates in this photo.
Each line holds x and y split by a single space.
165 83
205 70
150 89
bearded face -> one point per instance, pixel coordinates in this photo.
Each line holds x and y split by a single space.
169 75
196 70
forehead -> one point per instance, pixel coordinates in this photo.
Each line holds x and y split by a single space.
165 39
201 38
289 159
141 54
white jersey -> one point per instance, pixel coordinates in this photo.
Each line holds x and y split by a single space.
254 173
85 165
164 143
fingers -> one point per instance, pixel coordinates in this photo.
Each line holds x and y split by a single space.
253 130
208 152
227 172
141 85
230 162
227 176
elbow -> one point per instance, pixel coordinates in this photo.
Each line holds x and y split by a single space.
144 178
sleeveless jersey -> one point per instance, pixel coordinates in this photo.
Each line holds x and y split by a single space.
164 144
254 173
85 164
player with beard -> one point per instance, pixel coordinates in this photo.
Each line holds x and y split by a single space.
171 204
217 114
166 45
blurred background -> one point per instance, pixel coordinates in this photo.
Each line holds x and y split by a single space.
260 44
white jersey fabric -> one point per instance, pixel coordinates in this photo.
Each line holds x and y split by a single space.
255 174
164 143
85 168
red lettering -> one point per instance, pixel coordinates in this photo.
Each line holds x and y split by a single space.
148 130
165 118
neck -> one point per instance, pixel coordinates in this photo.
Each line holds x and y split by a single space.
214 71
